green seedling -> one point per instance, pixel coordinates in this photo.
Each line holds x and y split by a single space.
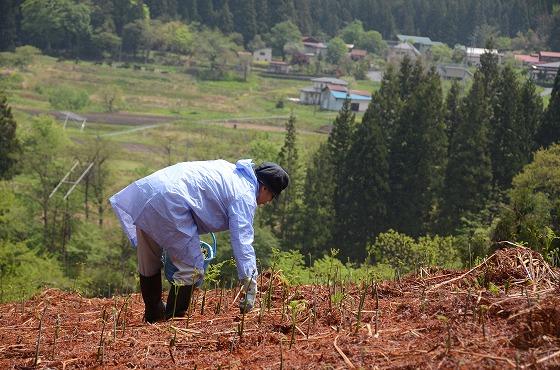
360 308
295 307
376 311
507 286
423 300
114 324
38 343
482 318
493 289
172 343
56 332
241 325
100 349
447 322
203 302
281 356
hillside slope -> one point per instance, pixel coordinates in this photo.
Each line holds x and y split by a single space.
441 319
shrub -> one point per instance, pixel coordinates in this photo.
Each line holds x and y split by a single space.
405 254
65 97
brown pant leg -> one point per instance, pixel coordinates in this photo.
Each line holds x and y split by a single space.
149 254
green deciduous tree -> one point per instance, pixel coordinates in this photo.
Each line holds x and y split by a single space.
281 34
532 214
56 23
352 33
336 50
43 146
372 41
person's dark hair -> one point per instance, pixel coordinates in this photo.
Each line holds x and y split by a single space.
273 177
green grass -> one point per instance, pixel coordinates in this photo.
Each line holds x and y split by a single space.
173 94
200 108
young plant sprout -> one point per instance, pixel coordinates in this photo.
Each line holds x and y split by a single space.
38 343
100 349
360 308
295 308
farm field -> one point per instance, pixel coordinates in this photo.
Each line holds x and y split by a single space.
438 319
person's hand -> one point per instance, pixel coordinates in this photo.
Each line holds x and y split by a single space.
247 303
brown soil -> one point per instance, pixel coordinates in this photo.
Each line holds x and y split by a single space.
437 319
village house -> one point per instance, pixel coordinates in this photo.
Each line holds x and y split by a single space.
357 54
455 72
545 71
419 42
313 47
333 98
527 60
474 54
262 55
397 52
549 56
543 66
279 67
312 95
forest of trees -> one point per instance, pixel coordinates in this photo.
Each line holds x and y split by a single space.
423 164
89 29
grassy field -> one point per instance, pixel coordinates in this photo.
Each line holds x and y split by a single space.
202 114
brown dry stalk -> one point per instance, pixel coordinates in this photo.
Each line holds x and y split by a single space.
485 356
36 360
344 357
549 357
462 276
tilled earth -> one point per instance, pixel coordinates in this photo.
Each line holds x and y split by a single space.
436 319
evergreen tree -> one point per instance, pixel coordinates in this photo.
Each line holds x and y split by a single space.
451 114
304 20
323 181
285 208
362 197
504 147
469 169
409 77
490 72
549 132
8 30
530 116
315 226
389 103
9 145
206 12
338 144
263 17
418 157
225 18
245 19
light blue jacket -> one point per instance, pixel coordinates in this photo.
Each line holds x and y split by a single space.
176 204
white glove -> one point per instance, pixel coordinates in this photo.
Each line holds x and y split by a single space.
247 303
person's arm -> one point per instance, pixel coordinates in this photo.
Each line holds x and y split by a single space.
241 215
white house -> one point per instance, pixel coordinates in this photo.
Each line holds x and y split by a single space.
262 55
473 55
401 50
311 95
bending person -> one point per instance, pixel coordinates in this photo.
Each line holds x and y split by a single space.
164 213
